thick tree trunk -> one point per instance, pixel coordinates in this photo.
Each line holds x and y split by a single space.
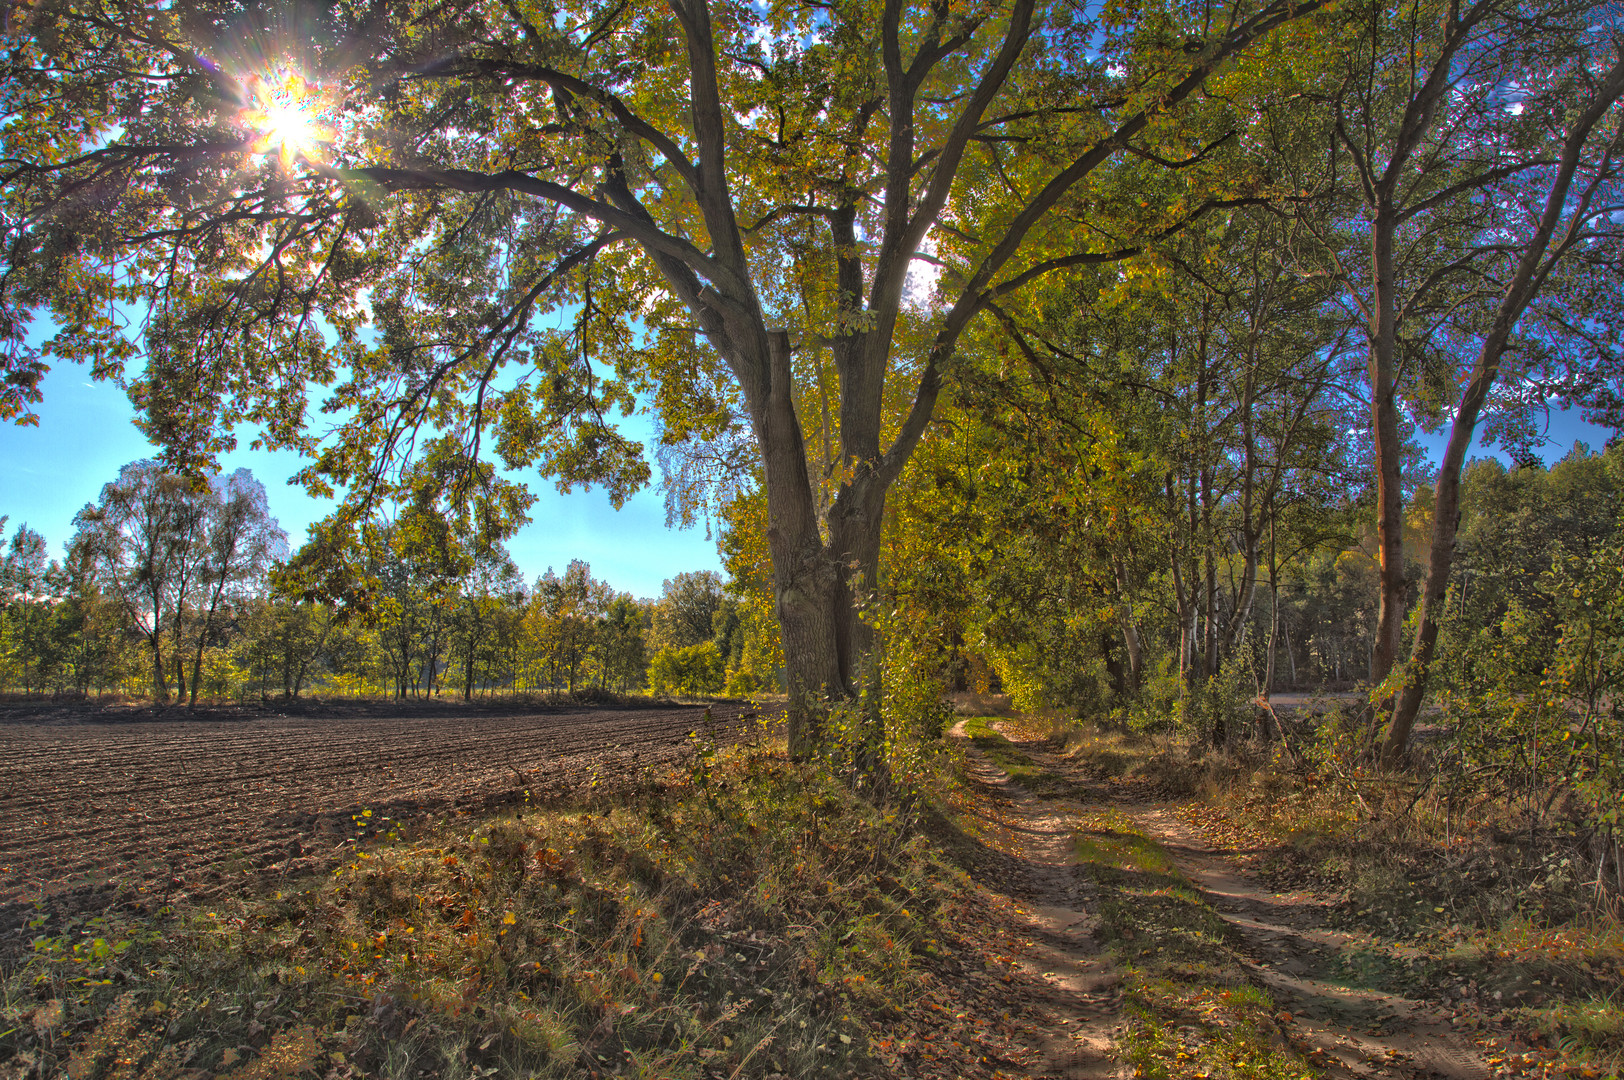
806 579
1113 667
854 546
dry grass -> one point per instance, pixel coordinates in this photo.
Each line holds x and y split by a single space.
746 919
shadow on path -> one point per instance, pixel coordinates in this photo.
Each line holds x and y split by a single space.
1079 1003
1347 1030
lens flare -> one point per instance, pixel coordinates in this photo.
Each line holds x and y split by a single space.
285 110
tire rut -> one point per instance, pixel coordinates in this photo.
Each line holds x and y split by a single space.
1349 1032
1081 1007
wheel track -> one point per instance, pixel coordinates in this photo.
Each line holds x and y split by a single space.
1284 940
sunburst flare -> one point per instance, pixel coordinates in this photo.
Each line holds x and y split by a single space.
286 110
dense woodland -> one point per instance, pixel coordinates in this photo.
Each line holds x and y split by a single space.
1056 626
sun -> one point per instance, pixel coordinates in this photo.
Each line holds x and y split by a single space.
285 110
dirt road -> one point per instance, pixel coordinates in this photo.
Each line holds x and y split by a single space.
1079 1008
1339 1024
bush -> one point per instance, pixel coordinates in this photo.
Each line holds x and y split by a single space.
694 670
741 682
1157 703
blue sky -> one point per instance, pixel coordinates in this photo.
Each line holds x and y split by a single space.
85 436
1564 430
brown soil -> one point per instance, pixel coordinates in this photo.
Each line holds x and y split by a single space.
1070 1000
99 807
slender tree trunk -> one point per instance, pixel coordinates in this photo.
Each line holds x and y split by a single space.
1386 441
1274 613
160 678
1186 614
179 654
1184 591
1532 266
1209 642
1130 629
1251 534
203 637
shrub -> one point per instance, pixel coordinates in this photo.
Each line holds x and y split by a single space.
741 682
696 669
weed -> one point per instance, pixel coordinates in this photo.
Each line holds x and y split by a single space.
1589 1030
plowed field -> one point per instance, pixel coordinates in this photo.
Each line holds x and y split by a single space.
160 809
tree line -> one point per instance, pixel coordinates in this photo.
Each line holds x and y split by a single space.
182 591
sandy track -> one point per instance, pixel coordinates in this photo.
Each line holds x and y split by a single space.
1079 1004
1349 1033
90 810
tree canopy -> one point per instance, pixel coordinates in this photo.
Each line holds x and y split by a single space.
390 200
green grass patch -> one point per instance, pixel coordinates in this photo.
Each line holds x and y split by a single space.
753 917
1020 768
1588 1031
1192 1010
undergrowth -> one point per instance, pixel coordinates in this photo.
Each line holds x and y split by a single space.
749 919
